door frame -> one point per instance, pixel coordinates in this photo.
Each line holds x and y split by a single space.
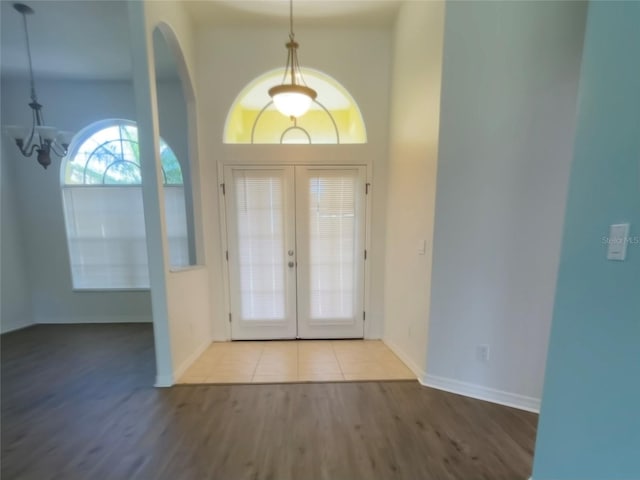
250 160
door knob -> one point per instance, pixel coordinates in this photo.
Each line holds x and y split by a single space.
291 264
290 252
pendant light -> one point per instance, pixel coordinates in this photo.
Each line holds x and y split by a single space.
40 138
292 99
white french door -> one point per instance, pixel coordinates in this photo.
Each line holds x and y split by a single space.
296 239
261 232
330 226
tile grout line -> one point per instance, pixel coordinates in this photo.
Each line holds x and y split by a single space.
338 361
255 369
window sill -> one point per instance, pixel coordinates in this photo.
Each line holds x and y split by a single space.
187 268
109 290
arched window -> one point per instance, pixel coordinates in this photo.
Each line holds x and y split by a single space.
104 216
333 118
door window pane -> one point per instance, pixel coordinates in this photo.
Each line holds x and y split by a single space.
261 236
332 237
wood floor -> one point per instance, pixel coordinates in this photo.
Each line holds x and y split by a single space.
77 403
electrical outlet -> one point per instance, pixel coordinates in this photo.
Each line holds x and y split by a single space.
482 353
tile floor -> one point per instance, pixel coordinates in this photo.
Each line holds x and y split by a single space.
296 361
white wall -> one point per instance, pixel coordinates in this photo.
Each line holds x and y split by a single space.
37 207
15 304
413 156
358 58
507 125
180 299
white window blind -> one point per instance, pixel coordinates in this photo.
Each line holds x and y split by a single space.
259 199
176 222
332 236
106 235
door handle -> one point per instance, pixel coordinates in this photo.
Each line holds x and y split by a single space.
292 264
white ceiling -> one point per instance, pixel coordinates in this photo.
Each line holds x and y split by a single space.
89 39
305 12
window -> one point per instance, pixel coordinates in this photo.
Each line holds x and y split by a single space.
333 118
104 216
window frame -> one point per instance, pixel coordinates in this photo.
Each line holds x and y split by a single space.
74 149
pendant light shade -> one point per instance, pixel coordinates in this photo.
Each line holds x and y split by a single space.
292 100
293 97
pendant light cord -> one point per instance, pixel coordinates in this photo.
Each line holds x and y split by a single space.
34 97
291 34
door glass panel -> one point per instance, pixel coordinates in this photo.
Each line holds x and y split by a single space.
332 244
261 237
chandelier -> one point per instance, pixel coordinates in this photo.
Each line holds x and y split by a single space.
292 99
40 138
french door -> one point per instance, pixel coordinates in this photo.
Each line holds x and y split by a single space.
296 239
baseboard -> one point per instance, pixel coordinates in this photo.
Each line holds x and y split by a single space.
14 328
522 402
178 372
414 367
163 381
94 319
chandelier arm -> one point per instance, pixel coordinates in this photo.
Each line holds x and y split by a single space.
59 150
288 67
292 61
28 151
23 150
296 68
32 133
40 116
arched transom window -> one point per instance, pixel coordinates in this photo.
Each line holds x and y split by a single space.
109 154
104 214
333 118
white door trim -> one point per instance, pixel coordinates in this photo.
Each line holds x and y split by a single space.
369 325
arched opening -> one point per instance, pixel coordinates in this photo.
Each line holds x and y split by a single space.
175 99
334 118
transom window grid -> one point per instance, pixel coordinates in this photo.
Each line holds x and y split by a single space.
334 118
111 156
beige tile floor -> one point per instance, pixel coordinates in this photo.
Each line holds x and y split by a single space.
296 361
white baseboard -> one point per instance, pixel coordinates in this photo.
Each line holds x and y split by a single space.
522 402
94 319
14 327
179 371
163 381
413 366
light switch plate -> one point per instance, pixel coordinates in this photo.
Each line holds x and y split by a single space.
618 239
